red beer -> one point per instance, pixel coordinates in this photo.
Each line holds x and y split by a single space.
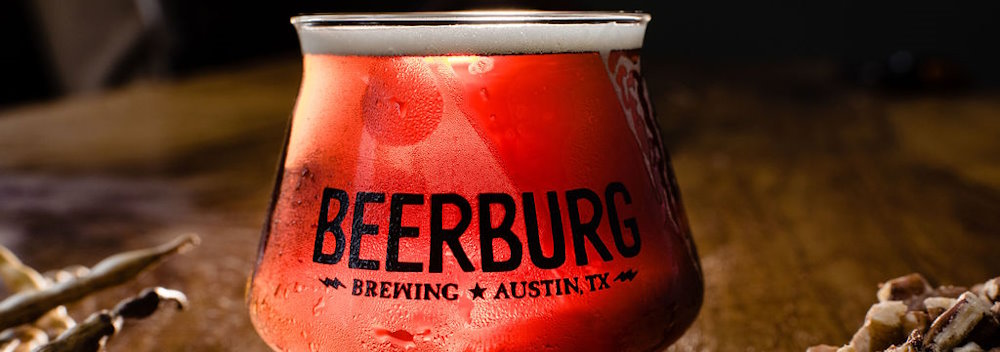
474 181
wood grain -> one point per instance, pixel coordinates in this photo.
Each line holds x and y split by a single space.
802 193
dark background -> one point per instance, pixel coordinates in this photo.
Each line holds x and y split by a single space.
913 46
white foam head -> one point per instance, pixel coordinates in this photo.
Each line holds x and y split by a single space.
488 32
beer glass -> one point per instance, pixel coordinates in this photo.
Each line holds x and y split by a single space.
474 181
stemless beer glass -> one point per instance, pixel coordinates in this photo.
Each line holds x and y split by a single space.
474 181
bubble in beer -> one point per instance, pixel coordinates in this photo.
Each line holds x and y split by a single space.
402 104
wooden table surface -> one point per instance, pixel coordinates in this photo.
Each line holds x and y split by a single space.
802 194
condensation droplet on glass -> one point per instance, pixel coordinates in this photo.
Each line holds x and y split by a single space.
400 338
318 307
400 106
465 306
303 175
481 66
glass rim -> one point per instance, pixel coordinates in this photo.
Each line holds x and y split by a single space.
452 18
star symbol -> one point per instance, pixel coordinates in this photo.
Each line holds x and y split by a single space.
477 292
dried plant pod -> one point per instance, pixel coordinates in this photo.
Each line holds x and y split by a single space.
17 276
56 321
66 274
92 334
22 278
22 339
147 302
26 307
88 336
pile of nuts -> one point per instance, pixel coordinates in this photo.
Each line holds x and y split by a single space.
911 316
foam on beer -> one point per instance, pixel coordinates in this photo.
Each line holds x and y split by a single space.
388 39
